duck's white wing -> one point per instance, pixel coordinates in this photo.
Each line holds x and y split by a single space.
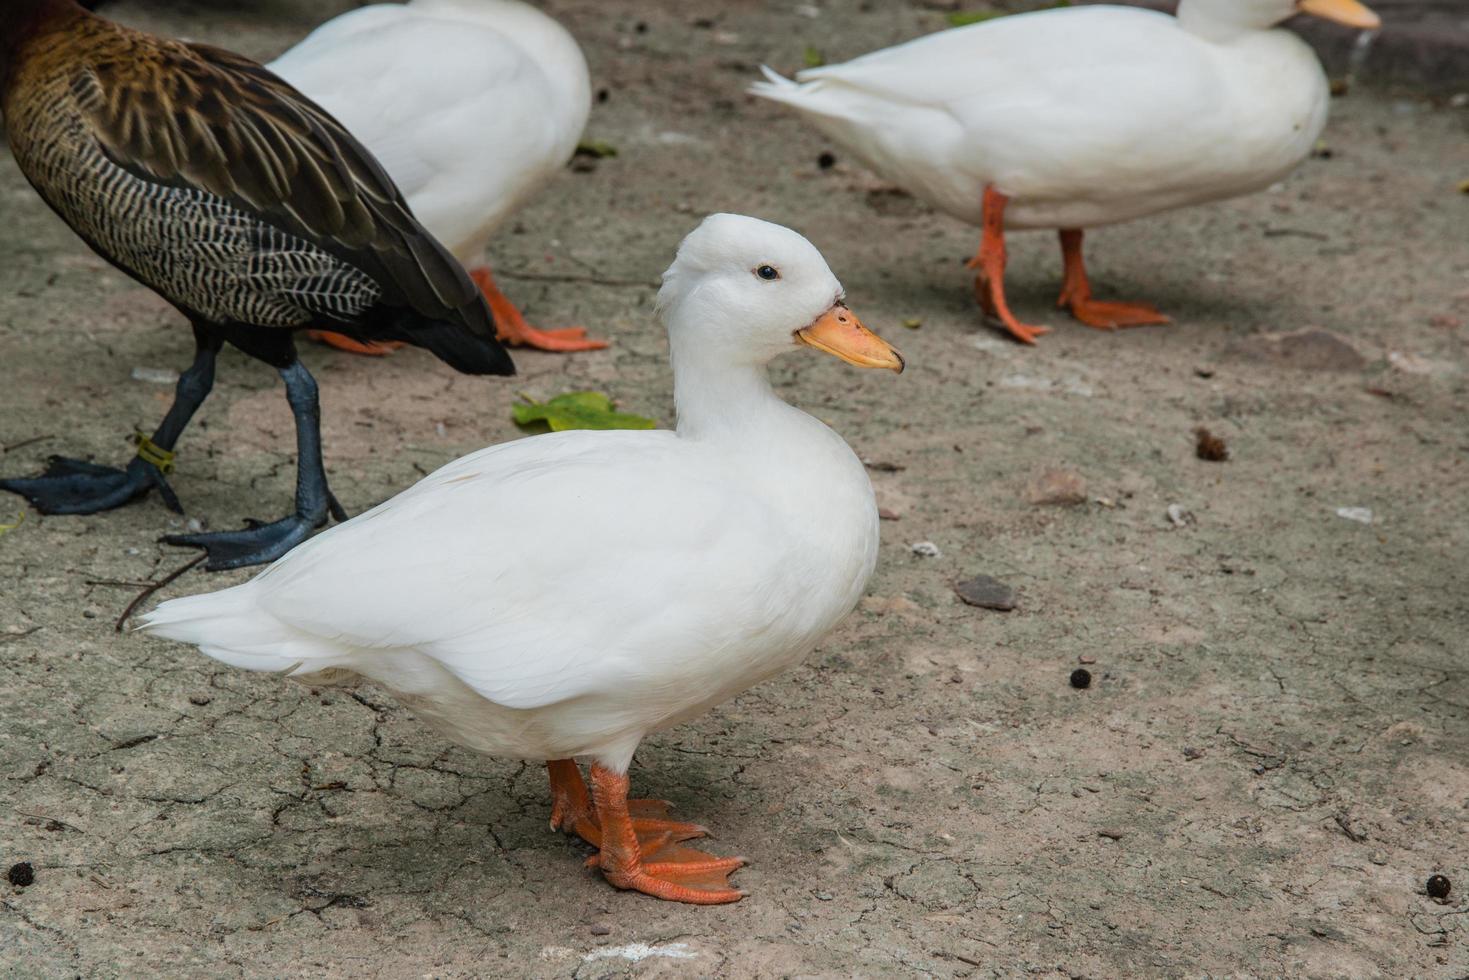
455 112
536 572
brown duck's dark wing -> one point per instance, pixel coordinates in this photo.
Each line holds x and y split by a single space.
195 116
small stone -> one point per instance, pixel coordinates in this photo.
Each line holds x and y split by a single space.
21 875
1362 515
199 700
1086 658
888 514
1438 888
1209 447
1058 488
1378 858
194 525
823 896
986 593
926 549
1081 678
1191 753
1179 517
1112 834
601 930
156 376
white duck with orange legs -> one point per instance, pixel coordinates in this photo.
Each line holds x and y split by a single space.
567 594
1077 117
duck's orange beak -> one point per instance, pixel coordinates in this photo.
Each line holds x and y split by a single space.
840 333
1348 12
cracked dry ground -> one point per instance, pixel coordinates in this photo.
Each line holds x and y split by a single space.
1267 768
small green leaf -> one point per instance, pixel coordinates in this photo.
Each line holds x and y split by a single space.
7 528
963 18
812 57
597 149
575 410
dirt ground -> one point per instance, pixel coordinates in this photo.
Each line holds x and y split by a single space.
1268 765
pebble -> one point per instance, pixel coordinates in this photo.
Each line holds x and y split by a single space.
1058 488
156 376
1179 517
926 549
1209 447
986 593
601 930
1438 888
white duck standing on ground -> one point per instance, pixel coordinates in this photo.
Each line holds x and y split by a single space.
1077 117
643 578
472 106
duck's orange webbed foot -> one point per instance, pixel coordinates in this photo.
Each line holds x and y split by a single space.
512 328
372 348
989 280
1076 293
639 847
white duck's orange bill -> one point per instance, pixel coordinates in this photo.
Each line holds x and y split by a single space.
838 332
1348 12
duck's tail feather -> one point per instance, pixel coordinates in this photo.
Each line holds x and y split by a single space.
230 627
456 346
776 86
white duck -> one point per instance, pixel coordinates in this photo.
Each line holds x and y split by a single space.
565 595
1076 117
472 106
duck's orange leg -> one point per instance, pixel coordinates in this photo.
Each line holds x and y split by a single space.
372 348
989 281
633 854
572 810
1076 293
513 328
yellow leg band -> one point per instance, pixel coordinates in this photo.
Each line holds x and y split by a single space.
151 452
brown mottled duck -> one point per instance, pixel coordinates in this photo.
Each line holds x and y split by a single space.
245 205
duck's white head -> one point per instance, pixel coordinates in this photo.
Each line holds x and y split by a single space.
1257 15
745 291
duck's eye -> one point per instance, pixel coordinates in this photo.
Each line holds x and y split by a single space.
768 272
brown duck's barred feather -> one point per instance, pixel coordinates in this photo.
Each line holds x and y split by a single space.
214 182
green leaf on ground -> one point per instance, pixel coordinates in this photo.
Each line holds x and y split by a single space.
812 57
575 410
963 18
597 149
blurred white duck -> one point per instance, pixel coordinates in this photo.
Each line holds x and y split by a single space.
1077 117
699 562
472 106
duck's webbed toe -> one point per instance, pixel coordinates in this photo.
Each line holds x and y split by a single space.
255 544
75 486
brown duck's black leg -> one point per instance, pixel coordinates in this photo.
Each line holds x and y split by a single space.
75 486
258 543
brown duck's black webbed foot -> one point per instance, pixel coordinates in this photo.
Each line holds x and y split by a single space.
75 486
254 544
259 543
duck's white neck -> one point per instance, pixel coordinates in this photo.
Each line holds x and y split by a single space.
718 399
